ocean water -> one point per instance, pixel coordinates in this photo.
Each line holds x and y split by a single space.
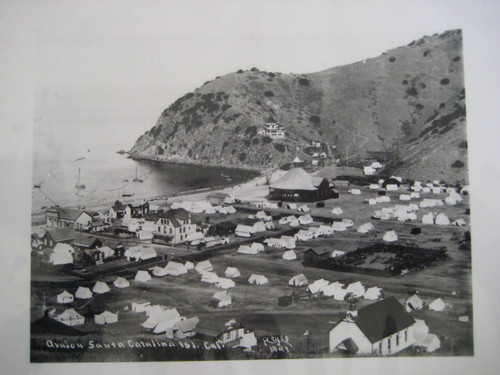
107 176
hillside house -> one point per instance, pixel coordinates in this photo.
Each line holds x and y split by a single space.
382 328
273 130
173 227
117 210
299 186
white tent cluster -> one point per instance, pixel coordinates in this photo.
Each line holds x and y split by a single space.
253 249
284 242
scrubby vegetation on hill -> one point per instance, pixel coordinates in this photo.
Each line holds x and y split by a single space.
416 90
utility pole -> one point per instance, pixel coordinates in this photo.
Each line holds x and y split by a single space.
347 156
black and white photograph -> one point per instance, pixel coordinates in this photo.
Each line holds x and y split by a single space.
251 196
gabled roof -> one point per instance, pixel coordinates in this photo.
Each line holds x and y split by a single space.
382 319
218 195
85 241
174 215
68 213
62 234
318 251
188 325
297 179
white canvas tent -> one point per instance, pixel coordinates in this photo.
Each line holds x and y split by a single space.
71 318
248 341
356 288
347 222
189 265
100 288
317 286
204 266
429 341
298 280
355 191
390 236
224 283
365 228
437 305
175 269
209 277
428 218
338 226
140 305
257 279
337 211
142 276
243 231
65 297
305 219
442 219
286 219
159 271
373 293
232 272
247 250
106 318
120 282
223 299
304 208
414 303
337 253
83 293
289 255
334 289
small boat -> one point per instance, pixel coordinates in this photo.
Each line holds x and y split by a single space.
78 185
127 195
80 158
37 186
136 179
121 152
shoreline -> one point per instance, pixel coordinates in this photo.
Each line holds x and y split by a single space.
194 163
180 195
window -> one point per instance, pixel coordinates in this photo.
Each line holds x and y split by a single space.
389 344
380 347
406 335
397 340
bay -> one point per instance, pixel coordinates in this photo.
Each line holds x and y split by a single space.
109 176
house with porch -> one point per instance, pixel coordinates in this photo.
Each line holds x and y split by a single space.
64 217
173 227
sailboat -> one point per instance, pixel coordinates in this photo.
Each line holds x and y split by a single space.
78 185
136 179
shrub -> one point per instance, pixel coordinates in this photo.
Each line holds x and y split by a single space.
225 106
279 147
405 82
225 144
254 69
266 140
272 75
251 131
458 164
315 119
412 91
304 81
233 151
426 52
242 157
442 105
239 71
444 81
159 150
463 144
269 94
419 106
392 59
255 141
456 59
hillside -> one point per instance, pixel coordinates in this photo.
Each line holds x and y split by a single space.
357 108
